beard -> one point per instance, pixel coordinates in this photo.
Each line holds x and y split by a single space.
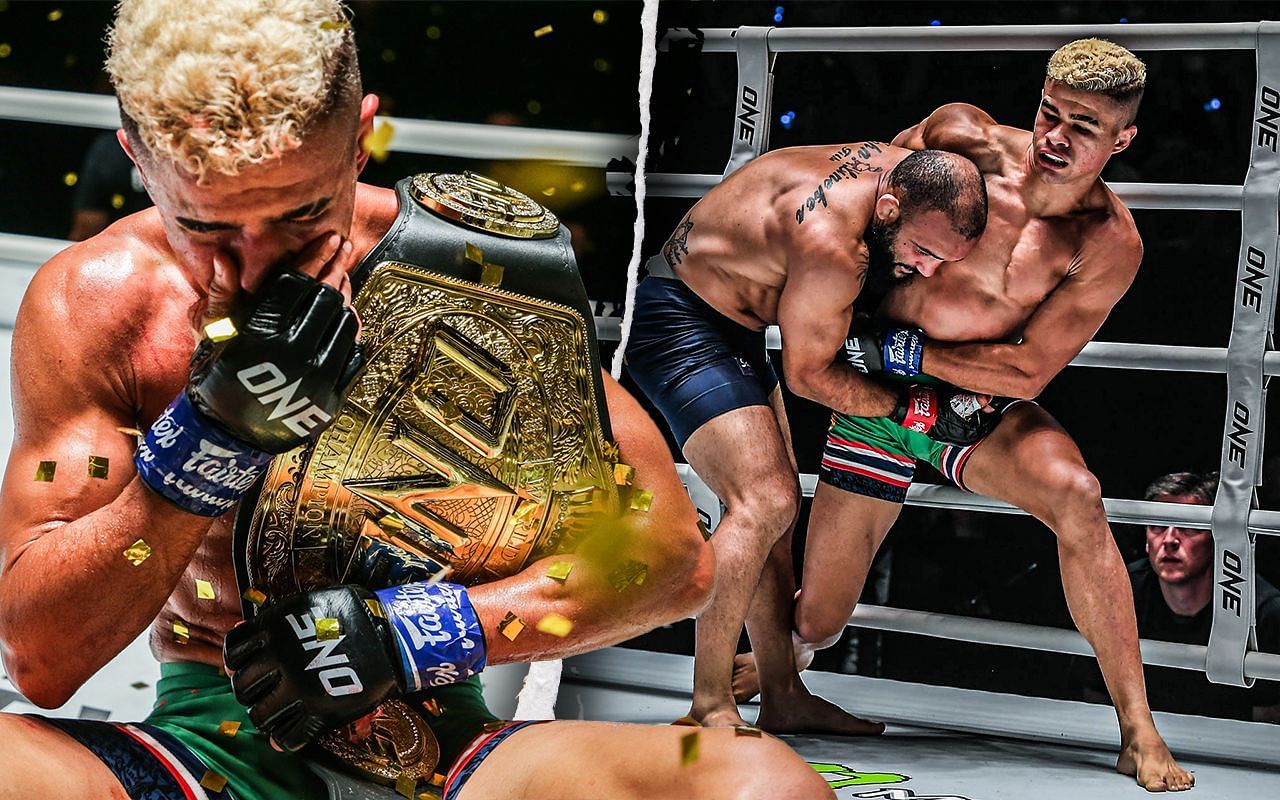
880 239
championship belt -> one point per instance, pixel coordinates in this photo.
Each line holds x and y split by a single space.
476 438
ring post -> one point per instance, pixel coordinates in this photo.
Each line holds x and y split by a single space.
754 98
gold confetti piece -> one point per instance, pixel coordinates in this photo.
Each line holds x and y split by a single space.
6 50
328 629
623 474
98 467
610 452
494 725
559 570
44 472
139 685
599 16
747 730
511 626
254 596
577 186
434 32
491 274
406 785
181 633
525 509
229 727
204 590
550 191
117 201
688 722
543 31
438 779
138 552
55 15
375 608
70 179
689 748
391 522
474 254
378 141
334 25
432 706
632 573
555 625
213 781
129 431
220 330
641 500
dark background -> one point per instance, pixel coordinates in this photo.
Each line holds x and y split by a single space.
480 62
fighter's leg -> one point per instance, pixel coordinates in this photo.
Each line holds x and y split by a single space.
571 760
39 760
1031 462
742 456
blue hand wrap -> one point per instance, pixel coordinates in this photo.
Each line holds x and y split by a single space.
195 465
903 348
437 632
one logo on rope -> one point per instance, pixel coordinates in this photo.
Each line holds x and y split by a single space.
747 119
1232 570
1268 115
1238 436
1255 272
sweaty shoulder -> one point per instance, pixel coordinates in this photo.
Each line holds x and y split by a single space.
88 306
1110 230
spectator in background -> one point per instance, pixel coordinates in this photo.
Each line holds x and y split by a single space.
1172 588
108 188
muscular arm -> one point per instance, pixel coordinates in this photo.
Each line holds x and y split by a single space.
69 599
1058 330
814 313
957 128
666 539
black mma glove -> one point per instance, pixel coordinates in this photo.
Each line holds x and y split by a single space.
277 383
873 348
322 659
944 413
273 386
298 684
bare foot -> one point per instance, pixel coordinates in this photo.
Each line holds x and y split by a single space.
746 681
808 713
723 716
1148 760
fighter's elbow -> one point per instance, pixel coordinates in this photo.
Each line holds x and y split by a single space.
681 573
41 687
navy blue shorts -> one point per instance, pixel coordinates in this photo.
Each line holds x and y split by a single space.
691 361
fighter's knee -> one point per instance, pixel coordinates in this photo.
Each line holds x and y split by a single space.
1075 489
772 506
818 627
777 772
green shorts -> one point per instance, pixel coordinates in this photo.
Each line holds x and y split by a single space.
876 457
188 730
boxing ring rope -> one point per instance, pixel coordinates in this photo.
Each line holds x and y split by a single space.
1146 196
461 139
1247 361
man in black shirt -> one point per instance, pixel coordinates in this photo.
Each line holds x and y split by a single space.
1172 588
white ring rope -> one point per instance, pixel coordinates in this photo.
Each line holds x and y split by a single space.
1144 196
1038 637
1167 36
459 139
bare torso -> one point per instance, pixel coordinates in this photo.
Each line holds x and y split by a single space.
153 370
1019 260
734 246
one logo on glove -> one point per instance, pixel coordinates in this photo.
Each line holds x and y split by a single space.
855 355
267 383
337 680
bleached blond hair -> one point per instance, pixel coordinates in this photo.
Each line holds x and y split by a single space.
219 85
1100 66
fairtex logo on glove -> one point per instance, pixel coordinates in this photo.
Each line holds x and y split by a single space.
337 680
922 409
268 384
902 351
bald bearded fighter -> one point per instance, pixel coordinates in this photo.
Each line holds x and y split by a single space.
793 237
1059 251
